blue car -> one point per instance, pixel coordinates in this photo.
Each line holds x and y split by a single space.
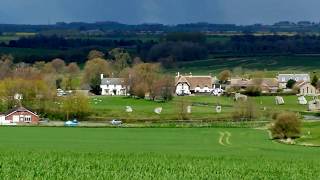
72 123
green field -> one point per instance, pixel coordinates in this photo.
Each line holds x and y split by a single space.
151 153
271 65
107 108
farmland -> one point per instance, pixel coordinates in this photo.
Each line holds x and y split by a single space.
203 107
151 153
271 65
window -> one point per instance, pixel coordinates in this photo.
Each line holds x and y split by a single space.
27 119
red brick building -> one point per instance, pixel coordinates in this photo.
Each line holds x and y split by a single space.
21 115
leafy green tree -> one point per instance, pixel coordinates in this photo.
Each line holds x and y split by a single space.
314 80
75 106
290 83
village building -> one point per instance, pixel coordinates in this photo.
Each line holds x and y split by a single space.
19 115
189 84
306 89
113 86
284 78
267 85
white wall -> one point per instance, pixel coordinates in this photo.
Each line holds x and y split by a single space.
203 90
183 88
308 90
108 90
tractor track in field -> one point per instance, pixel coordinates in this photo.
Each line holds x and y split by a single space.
224 138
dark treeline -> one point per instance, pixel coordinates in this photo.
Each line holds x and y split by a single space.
249 44
55 42
170 48
108 26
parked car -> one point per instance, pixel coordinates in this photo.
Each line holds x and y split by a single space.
116 122
44 121
72 123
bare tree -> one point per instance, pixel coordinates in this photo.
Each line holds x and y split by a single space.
94 54
59 65
92 71
182 108
224 76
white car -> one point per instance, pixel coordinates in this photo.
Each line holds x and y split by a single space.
116 122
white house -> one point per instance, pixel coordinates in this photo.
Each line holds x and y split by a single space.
284 78
186 85
113 86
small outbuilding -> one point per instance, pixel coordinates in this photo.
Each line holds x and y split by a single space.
19 115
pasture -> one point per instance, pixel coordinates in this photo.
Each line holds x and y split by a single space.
151 153
203 107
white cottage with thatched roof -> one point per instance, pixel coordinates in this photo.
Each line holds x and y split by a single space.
113 86
186 85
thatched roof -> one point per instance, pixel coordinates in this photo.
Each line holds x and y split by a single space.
195 81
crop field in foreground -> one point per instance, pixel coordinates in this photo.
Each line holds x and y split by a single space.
151 153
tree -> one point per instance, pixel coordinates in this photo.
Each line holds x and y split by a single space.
48 68
253 90
6 64
245 110
182 108
314 80
137 60
39 65
290 83
59 65
224 76
144 75
31 94
94 54
72 71
75 106
167 88
238 71
121 59
92 72
286 125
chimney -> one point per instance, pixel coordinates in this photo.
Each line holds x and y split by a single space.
101 76
178 74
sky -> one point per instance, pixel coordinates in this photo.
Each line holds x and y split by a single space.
158 11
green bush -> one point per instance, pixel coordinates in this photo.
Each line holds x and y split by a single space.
286 125
253 91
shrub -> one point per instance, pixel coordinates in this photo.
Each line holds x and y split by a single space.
286 125
181 109
245 110
253 91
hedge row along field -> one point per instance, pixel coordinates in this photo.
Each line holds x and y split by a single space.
51 165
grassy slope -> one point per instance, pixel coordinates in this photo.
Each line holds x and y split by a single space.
311 134
150 153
